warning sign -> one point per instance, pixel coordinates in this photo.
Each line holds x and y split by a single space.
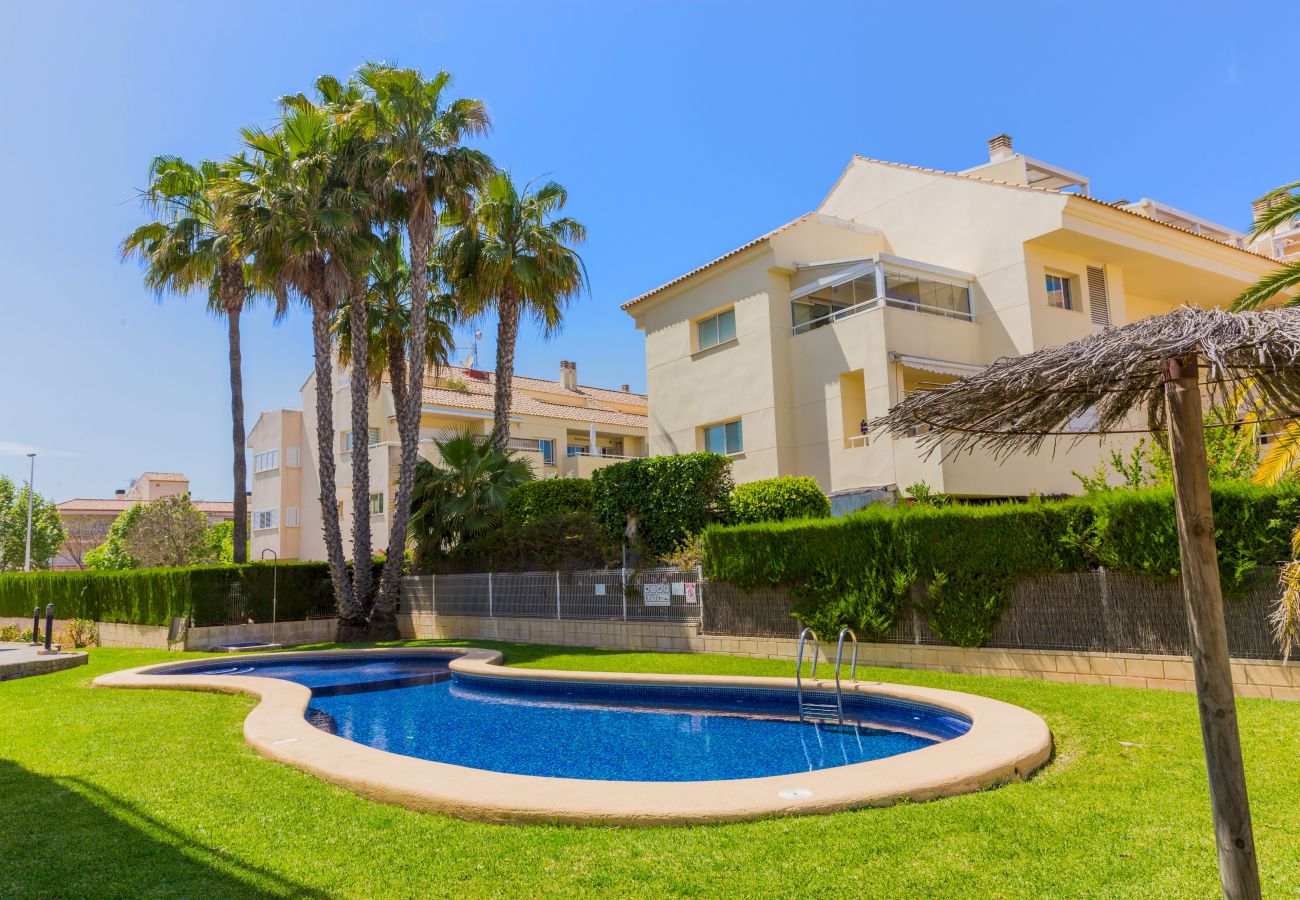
656 595
690 592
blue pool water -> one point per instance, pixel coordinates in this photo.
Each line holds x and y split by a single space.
619 732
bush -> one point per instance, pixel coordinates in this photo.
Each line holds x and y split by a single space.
856 571
10 633
547 497
565 541
80 633
777 499
670 497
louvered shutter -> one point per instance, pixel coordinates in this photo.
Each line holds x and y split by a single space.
1098 299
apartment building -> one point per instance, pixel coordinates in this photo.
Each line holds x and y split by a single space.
563 429
87 519
904 278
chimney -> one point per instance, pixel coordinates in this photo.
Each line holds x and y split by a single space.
1000 148
119 493
1259 208
625 388
568 375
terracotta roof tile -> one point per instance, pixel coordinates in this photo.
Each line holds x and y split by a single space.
477 398
115 504
163 476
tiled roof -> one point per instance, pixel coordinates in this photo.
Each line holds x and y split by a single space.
163 476
478 395
473 377
116 504
723 258
928 171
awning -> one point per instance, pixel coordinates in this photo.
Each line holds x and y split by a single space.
938 366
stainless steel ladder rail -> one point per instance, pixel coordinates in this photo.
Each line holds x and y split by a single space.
853 669
798 665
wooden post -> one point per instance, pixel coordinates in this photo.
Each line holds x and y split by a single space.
1209 635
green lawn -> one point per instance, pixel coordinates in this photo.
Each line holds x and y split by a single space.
154 793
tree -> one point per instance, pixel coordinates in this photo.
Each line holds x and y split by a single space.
514 254
113 553
299 209
420 134
169 532
466 495
47 529
193 244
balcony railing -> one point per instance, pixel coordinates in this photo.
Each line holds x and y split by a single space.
876 303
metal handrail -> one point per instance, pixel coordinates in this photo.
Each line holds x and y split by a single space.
853 669
798 666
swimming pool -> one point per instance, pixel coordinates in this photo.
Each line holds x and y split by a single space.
616 732
454 731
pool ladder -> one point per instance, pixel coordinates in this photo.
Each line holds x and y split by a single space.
823 713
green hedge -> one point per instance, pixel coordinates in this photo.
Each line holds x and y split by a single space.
563 541
154 596
857 570
777 499
671 497
545 497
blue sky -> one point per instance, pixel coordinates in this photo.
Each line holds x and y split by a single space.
681 130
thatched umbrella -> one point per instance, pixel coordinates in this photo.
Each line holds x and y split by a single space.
1161 367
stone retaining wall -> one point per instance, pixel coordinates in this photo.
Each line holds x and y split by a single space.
304 631
1252 678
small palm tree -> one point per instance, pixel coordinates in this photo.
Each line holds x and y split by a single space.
193 244
514 254
464 496
420 133
1282 458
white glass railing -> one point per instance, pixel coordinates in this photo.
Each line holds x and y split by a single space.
893 303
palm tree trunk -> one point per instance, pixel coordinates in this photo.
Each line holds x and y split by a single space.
362 566
329 511
507 334
383 620
233 283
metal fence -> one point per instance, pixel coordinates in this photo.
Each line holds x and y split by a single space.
634 595
1110 612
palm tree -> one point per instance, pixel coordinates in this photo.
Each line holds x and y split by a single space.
514 253
194 244
306 219
1282 458
464 496
420 134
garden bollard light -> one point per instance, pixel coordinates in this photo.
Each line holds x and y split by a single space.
49 624
36 625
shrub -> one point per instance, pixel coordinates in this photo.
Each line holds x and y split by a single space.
776 499
80 633
563 541
9 633
856 571
670 497
546 497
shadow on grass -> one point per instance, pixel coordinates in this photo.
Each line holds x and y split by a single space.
513 653
64 836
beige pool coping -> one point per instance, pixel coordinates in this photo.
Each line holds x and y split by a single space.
1005 743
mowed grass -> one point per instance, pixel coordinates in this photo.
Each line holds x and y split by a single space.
121 793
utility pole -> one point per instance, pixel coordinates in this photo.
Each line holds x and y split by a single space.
27 560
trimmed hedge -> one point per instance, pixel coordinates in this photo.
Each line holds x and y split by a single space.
210 594
563 541
777 499
857 570
672 497
545 497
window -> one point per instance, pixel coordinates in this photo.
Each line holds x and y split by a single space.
823 293
264 462
347 439
265 518
716 329
291 457
377 504
291 516
1059 293
724 438
548 451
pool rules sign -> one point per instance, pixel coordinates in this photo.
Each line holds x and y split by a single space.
656 594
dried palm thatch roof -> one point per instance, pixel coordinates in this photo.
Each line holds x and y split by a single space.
1095 385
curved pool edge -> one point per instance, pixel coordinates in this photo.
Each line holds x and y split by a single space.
1005 743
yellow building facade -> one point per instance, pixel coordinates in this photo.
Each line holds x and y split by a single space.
562 428
904 278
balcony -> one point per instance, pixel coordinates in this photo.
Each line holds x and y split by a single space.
824 293
578 462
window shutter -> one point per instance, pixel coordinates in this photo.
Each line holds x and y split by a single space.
291 457
1098 299
291 516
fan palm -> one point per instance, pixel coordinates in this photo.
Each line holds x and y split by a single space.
193 244
464 496
420 133
309 223
514 254
1281 460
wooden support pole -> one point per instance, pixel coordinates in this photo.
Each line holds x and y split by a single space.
1238 871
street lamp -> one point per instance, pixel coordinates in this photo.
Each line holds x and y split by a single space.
27 561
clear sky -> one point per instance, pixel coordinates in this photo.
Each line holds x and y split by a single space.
681 130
